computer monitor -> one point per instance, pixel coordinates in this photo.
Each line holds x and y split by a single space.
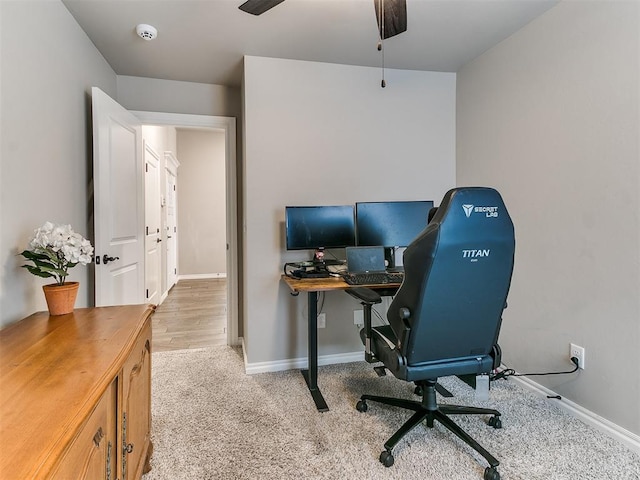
319 227
391 224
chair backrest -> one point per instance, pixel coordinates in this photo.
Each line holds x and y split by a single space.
457 277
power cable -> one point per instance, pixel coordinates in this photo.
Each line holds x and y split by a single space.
510 372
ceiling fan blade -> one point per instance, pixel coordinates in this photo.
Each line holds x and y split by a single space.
258 7
395 17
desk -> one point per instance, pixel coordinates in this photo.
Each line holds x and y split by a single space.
312 286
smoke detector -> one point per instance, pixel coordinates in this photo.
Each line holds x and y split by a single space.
146 32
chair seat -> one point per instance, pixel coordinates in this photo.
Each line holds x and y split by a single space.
383 337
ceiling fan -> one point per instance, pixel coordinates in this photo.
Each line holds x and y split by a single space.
391 15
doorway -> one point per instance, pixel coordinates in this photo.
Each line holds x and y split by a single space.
227 126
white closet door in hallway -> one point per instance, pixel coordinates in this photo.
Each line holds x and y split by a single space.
152 225
170 212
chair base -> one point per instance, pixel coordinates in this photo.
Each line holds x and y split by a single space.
428 410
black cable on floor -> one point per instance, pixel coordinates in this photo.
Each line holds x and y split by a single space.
510 372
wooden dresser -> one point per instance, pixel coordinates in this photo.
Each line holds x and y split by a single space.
75 395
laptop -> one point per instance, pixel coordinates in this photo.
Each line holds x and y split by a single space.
366 266
365 260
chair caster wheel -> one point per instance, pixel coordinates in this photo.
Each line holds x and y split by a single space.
386 458
362 406
495 422
490 473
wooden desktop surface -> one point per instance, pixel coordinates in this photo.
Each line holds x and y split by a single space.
326 284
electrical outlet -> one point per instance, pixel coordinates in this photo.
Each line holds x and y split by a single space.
578 352
322 320
358 318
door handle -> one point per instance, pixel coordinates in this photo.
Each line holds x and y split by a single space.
158 240
106 259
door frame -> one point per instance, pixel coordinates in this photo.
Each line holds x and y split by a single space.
228 125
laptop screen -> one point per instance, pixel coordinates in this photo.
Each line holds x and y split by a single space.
365 259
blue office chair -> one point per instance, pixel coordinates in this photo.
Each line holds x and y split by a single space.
446 316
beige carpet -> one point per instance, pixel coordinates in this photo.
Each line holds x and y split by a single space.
211 421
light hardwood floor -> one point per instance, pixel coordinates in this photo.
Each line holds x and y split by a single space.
194 315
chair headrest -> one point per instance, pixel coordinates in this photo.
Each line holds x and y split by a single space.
480 209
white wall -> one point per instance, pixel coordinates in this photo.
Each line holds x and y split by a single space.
201 203
160 138
329 134
551 118
48 66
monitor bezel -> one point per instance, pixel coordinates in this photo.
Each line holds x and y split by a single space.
428 204
317 246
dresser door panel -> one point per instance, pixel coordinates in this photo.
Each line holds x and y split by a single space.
91 454
136 405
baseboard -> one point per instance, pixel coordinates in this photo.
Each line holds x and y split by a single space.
163 297
201 276
295 363
629 439
244 350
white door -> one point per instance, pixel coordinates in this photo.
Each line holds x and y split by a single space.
172 227
153 237
118 190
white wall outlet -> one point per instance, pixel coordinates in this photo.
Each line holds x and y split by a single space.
358 318
322 320
578 352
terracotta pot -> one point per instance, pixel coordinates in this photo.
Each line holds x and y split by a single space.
61 299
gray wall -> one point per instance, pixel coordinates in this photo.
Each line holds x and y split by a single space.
318 134
47 70
170 96
551 117
201 202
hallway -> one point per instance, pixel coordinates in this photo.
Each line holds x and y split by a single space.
194 315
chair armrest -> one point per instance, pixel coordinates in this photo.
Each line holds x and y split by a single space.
404 313
365 295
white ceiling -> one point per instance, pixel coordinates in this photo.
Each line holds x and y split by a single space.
204 40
